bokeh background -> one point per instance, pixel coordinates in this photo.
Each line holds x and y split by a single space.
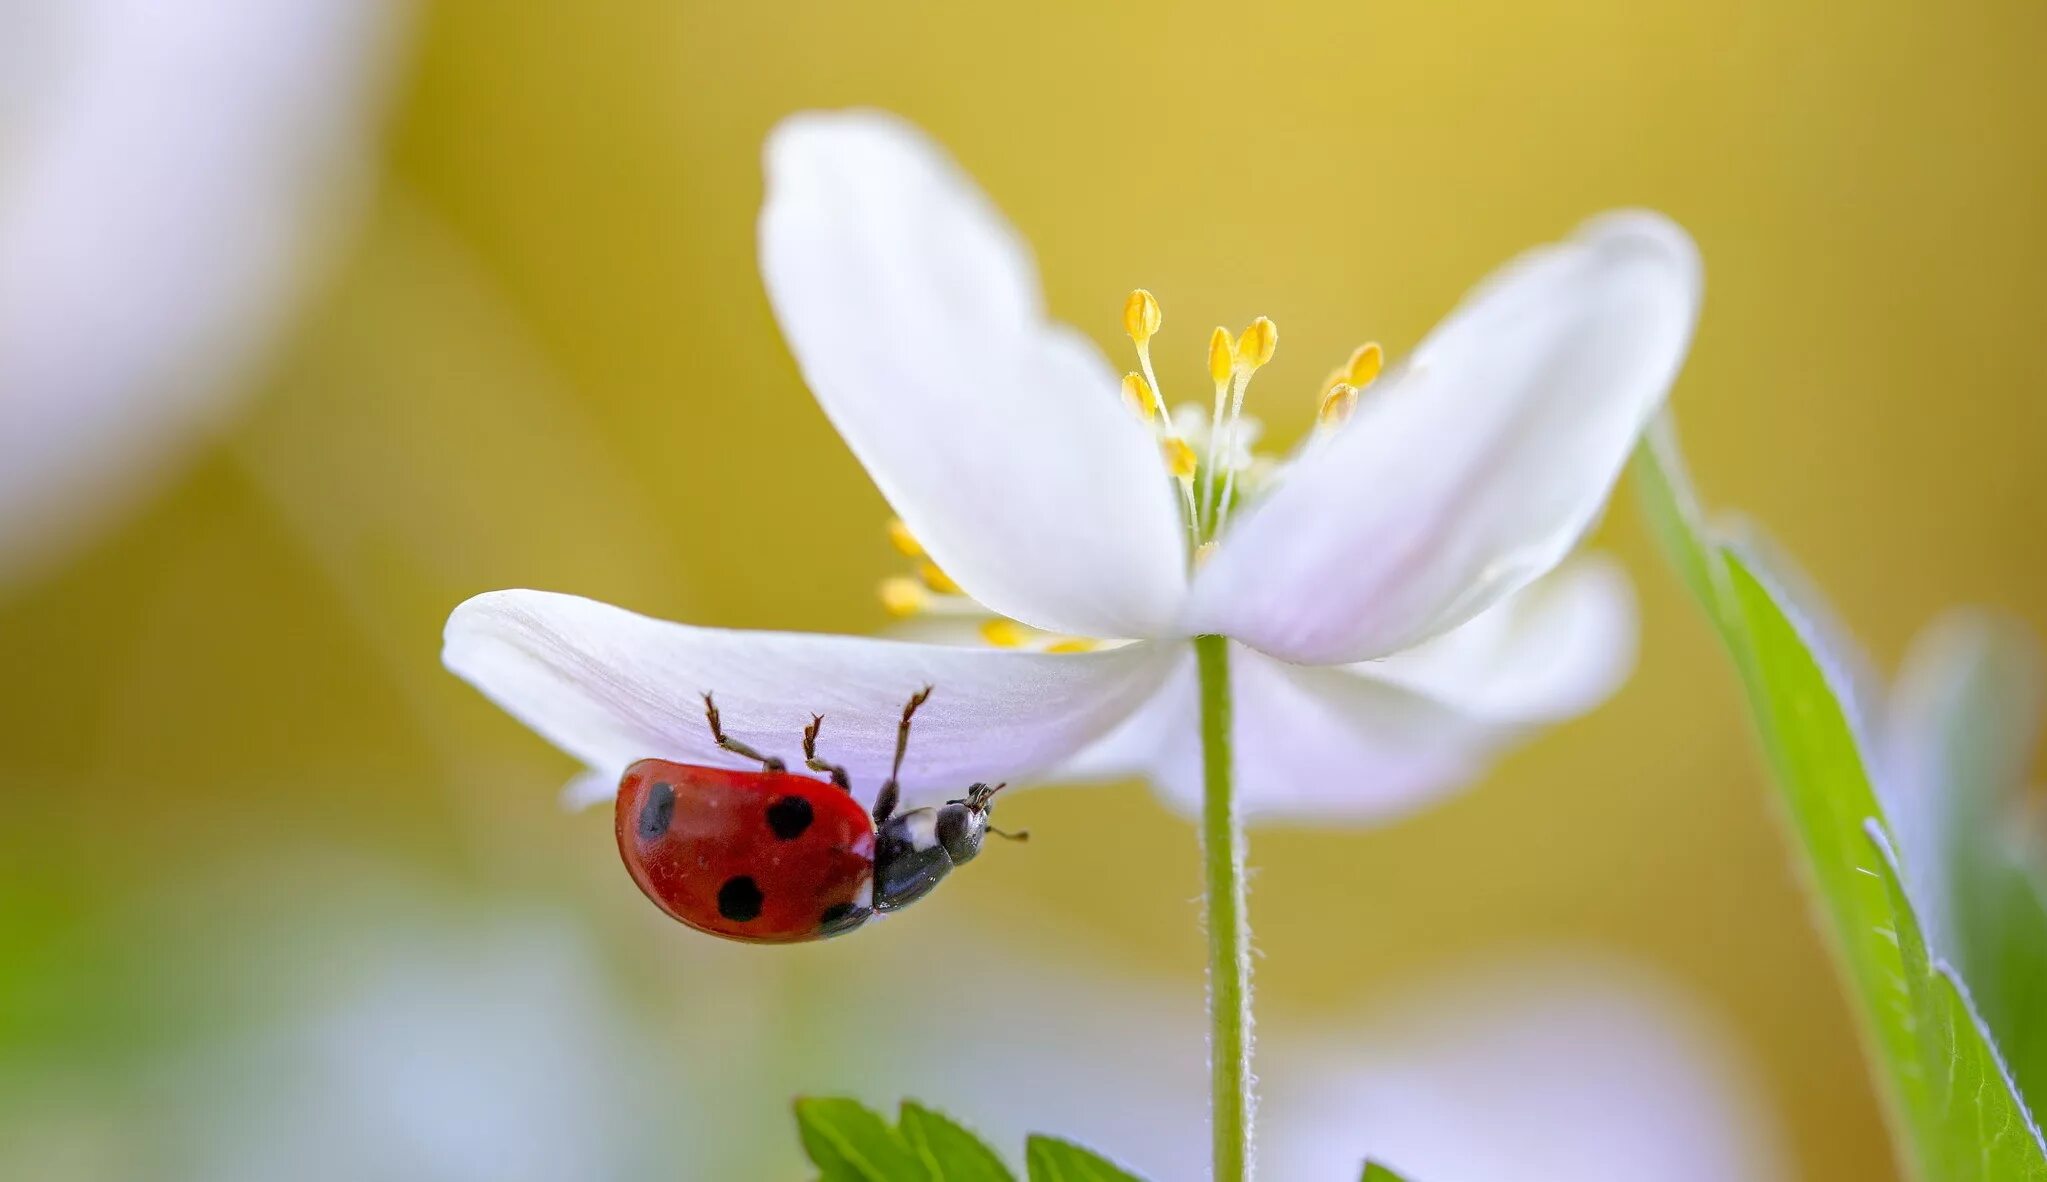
270 878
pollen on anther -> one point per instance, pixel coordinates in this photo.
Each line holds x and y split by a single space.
1256 346
903 540
1004 633
1180 458
1222 355
936 579
1137 392
903 597
1365 363
1337 404
1142 316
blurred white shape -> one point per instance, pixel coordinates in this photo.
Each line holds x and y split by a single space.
484 1050
168 173
1535 1069
1552 1072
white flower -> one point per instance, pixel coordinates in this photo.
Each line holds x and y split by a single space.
1536 1068
1386 586
164 172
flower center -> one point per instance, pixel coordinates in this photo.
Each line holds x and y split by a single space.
1211 456
1209 453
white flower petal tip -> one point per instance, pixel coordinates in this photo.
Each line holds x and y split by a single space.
1368 744
1477 467
999 437
172 177
1547 653
610 687
591 787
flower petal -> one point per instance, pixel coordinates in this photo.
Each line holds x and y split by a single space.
1549 652
1475 470
1322 744
610 687
165 196
999 437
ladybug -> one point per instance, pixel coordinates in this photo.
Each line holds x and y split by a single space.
770 857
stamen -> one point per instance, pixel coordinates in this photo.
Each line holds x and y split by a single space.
1005 633
1137 392
936 579
1073 644
1180 460
903 540
1142 316
903 598
1361 370
1336 407
1222 356
1254 349
1256 346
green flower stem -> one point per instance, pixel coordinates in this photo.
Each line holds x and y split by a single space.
1229 934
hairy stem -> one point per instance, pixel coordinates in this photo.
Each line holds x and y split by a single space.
1229 934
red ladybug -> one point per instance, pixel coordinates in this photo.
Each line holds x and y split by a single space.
768 857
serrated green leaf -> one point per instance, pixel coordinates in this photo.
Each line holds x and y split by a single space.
1053 1160
1955 1114
950 1152
850 1143
1963 1076
1963 724
1374 1172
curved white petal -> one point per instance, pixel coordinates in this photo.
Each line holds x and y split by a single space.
1474 471
1551 651
1321 744
1957 740
165 171
610 687
1000 438
1536 1069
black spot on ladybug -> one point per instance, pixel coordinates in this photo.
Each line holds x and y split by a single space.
657 812
789 817
739 900
841 917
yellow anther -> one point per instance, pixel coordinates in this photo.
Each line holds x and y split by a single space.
1365 363
1255 347
903 597
903 540
1222 355
1073 644
1141 316
937 579
1337 404
1137 392
1180 459
1005 633
1203 553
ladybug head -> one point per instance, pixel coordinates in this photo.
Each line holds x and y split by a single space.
962 824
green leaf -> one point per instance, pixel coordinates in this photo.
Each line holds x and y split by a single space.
849 1143
1053 1160
1963 723
950 1152
1953 1110
1374 1172
1972 1083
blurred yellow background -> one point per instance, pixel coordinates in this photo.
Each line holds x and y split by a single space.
545 359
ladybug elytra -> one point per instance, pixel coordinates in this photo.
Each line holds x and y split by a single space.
770 857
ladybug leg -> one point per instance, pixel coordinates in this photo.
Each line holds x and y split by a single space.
891 792
768 763
811 761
